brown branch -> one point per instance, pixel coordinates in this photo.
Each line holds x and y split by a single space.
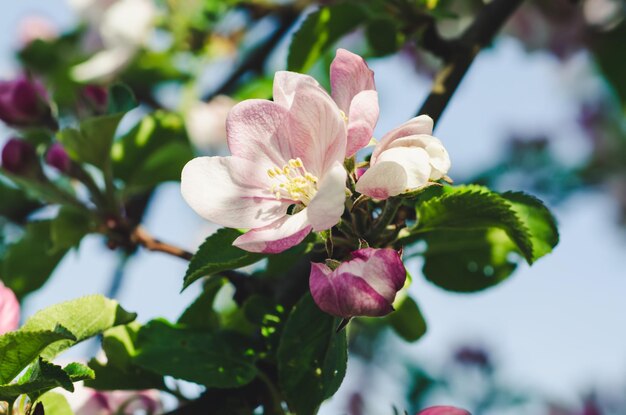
480 34
141 237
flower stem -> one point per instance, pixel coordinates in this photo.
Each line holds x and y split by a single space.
388 214
277 408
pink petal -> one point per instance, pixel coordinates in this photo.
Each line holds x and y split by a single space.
327 206
231 191
443 410
9 310
258 130
383 180
422 124
345 295
286 232
349 75
362 120
287 83
317 130
382 269
415 162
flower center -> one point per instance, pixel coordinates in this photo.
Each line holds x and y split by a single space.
293 182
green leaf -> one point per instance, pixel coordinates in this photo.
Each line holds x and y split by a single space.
217 254
474 207
43 376
92 142
27 263
469 260
383 36
15 205
200 314
85 317
121 99
154 151
19 348
407 321
69 228
55 404
214 359
544 233
320 30
312 357
119 372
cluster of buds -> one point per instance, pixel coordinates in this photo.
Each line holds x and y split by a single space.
293 171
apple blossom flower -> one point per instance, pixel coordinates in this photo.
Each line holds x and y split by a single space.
206 122
405 159
353 89
18 156
23 102
285 176
58 158
366 285
123 26
443 410
9 310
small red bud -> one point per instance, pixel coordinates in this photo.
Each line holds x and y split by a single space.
18 156
58 158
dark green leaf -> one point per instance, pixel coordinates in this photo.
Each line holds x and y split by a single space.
544 233
200 314
121 99
216 254
469 260
14 203
320 30
312 357
69 228
19 348
383 36
407 321
28 263
119 372
85 317
474 207
154 151
214 359
92 142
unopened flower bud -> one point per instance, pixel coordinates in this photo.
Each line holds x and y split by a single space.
364 286
9 310
443 410
23 103
95 98
18 156
58 158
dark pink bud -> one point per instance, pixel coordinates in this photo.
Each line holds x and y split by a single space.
57 157
96 98
472 356
23 103
443 410
364 286
18 156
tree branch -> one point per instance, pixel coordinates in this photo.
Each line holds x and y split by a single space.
255 60
141 237
480 34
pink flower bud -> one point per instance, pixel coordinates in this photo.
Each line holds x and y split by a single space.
18 156
23 103
364 286
86 401
95 98
57 157
443 410
9 310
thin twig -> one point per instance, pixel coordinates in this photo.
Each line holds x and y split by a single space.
480 34
141 237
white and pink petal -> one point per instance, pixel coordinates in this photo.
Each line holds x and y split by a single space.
278 236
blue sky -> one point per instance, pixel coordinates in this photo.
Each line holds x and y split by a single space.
555 327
